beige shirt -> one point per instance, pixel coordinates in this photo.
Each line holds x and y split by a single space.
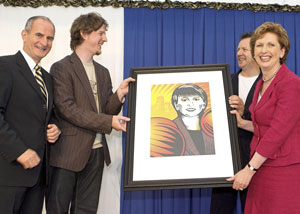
90 71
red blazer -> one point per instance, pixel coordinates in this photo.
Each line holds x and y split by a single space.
276 120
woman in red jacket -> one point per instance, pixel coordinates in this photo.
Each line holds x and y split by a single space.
273 172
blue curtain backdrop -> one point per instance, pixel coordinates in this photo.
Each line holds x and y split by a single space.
188 37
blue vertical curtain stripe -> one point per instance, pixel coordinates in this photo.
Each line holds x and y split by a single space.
189 37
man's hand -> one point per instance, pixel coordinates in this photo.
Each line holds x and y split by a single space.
237 103
119 122
29 159
52 133
123 88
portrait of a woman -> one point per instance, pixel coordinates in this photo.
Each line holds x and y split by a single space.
190 102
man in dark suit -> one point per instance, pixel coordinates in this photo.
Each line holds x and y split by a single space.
87 110
244 82
26 120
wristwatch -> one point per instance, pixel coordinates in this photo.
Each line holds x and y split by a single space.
251 167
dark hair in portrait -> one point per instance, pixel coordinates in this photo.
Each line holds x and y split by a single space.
188 90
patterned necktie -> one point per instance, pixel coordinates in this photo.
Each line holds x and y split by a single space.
39 79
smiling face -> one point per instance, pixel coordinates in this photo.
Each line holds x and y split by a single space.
38 41
94 41
190 105
267 52
243 54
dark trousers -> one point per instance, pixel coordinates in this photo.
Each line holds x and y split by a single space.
223 200
22 200
78 189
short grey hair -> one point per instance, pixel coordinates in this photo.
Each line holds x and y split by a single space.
30 21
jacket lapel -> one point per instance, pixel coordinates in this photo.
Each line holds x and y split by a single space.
27 73
250 98
49 86
81 73
99 77
264 99
235 83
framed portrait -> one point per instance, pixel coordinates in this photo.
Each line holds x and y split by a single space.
181 133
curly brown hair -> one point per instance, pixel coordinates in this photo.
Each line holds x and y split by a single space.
270 27
85 24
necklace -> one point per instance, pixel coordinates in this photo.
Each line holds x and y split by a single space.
266 80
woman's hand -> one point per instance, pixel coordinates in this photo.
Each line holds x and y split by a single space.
242 179
241 123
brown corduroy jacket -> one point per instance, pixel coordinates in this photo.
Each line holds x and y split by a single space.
77 112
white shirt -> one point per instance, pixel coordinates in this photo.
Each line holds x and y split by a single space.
245 84
31 63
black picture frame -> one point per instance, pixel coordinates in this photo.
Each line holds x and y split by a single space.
150 170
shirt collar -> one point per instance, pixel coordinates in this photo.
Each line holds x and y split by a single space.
29 61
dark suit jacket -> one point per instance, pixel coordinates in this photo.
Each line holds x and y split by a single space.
245 136
77 112
276 120
23 119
